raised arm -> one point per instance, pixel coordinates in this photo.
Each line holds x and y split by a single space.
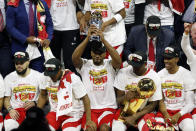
76 56
116 60
117 18
185 43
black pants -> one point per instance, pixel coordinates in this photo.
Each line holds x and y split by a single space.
6 61
68 41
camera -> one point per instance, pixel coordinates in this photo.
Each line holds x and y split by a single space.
96 19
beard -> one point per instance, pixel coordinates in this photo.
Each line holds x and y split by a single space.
22 72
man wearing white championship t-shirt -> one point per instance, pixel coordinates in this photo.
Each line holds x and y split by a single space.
21 91
98 76
113 26
65 113
191 57
2 91
130 76
178 90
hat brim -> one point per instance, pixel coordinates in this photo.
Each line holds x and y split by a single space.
135 64
20 60
168 56
153 32
50 73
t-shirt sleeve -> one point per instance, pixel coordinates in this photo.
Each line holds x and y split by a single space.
78 87
8 88
87 5
188 81
119 81
44 83
116 5
80 70
158 93
2 87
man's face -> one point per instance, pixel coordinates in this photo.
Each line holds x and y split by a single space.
56 77
21 67
98 58
193 35
170 63
139 69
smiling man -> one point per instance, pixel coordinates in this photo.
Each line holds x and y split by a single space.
178 91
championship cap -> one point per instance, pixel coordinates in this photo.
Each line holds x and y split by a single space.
153 24
171 52
21 56
137 59
52 67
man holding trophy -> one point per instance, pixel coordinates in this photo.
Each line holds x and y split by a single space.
98 76
139 89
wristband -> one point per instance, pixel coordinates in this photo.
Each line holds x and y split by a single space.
9 108
118 17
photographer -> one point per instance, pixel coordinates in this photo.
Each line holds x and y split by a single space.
98 76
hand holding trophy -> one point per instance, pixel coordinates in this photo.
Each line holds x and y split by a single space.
96 20
144 90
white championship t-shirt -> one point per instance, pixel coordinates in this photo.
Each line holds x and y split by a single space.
78 91
63 14
174 87
126 76
2 87
23 89
130 11
99 82
115 34
191 57
165 14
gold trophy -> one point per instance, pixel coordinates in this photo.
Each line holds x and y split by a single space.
144 89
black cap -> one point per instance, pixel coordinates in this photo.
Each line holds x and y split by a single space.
97 47
137 59
171 52
21 56
153 24
52 67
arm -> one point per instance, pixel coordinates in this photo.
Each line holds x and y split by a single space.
10 25
120 96
1 103
189 100
116 60
185 44
13 113
89 122
117 18
147 109
76 56
163 110
132 120
49 23
43 97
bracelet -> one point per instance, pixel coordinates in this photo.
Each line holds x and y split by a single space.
9 108
118 17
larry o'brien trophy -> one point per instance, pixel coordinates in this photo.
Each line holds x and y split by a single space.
96 19
144 90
